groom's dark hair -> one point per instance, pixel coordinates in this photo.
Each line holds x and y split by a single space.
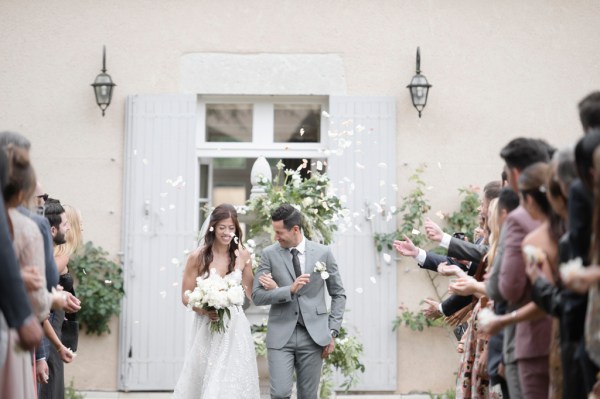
291 216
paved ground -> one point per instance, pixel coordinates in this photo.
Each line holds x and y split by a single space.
167 395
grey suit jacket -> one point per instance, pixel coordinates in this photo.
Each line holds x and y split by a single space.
462 249
310 299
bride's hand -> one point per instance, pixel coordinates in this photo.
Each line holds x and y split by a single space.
266 280
212 314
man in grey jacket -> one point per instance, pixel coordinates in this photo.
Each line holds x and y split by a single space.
301 332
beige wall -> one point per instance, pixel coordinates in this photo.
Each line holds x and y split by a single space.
498 69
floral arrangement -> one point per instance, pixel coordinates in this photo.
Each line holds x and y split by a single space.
216 293
321 268
322 210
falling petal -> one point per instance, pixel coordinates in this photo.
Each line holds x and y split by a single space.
381 183
107 282
395 187
416 232
352 187
163 294
163 195
172 206
373 280
388 217
162 269
319 165
145 161
360 166
360 128
357 228
235 239
84 272
145 228
359 290
186 251
175 261
382 165
134 152
346 179
211 228
379 208
382 201
387 258
393 209
430 188
136 322
440 214
301 131
440 165
162 209
175 284
325 114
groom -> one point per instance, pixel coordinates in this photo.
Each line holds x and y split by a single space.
300 332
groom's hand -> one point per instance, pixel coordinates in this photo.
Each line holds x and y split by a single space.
300 282
328 349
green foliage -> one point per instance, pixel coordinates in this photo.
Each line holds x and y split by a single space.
321 209
71 393
413 207
416 321
100 288
259 334
345 358
449 394
466 218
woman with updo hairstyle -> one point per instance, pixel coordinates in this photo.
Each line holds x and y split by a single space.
540 249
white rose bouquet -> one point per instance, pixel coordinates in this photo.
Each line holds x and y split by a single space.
218 294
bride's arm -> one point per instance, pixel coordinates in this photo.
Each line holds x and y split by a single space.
190 274
247 275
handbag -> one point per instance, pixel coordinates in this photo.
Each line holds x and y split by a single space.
70 334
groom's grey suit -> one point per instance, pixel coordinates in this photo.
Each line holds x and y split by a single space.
289 344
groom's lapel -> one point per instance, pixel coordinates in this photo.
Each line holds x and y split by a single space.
287 261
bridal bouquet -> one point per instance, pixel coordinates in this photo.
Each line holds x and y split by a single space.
216 293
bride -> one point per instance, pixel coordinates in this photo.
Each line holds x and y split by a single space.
220 365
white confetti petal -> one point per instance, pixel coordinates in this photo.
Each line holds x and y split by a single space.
373 280
360 166
381 183
319 165
440 214
172 206
395 187
211 228
382 165
360 128
416 232
134 152
136 322
175 261
387 258
302 132
84 272
359 290
393 209
162 209
107 282
440 165
358 228
175 284
162 269
430 188
145 161
325 114
163 294
163 195
187 251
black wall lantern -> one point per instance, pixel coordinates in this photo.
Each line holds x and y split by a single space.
419 87
103 85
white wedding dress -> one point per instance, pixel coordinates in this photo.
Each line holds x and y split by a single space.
220 365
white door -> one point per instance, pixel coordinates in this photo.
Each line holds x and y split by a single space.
159 221
364 128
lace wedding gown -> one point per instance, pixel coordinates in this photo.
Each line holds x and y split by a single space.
220 365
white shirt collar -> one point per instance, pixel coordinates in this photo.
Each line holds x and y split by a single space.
301 247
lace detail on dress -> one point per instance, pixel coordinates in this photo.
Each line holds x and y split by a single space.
220 365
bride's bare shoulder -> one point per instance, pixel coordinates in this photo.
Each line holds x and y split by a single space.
194 257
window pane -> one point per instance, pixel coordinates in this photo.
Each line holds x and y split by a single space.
297 123
229 122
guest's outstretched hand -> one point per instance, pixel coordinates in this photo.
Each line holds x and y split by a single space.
433 231
450 270
431 309
406 247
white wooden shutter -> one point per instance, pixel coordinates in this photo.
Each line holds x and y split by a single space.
365 173
159 222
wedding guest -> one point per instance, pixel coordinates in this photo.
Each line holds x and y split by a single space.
18 324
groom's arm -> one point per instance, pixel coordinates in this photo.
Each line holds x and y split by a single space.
261 296
336 292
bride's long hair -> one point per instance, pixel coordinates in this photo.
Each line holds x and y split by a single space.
221 212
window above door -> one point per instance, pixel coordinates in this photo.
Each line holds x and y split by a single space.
269 123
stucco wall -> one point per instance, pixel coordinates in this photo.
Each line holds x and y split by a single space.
498 69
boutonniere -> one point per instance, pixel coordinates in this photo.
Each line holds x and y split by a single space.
322 269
